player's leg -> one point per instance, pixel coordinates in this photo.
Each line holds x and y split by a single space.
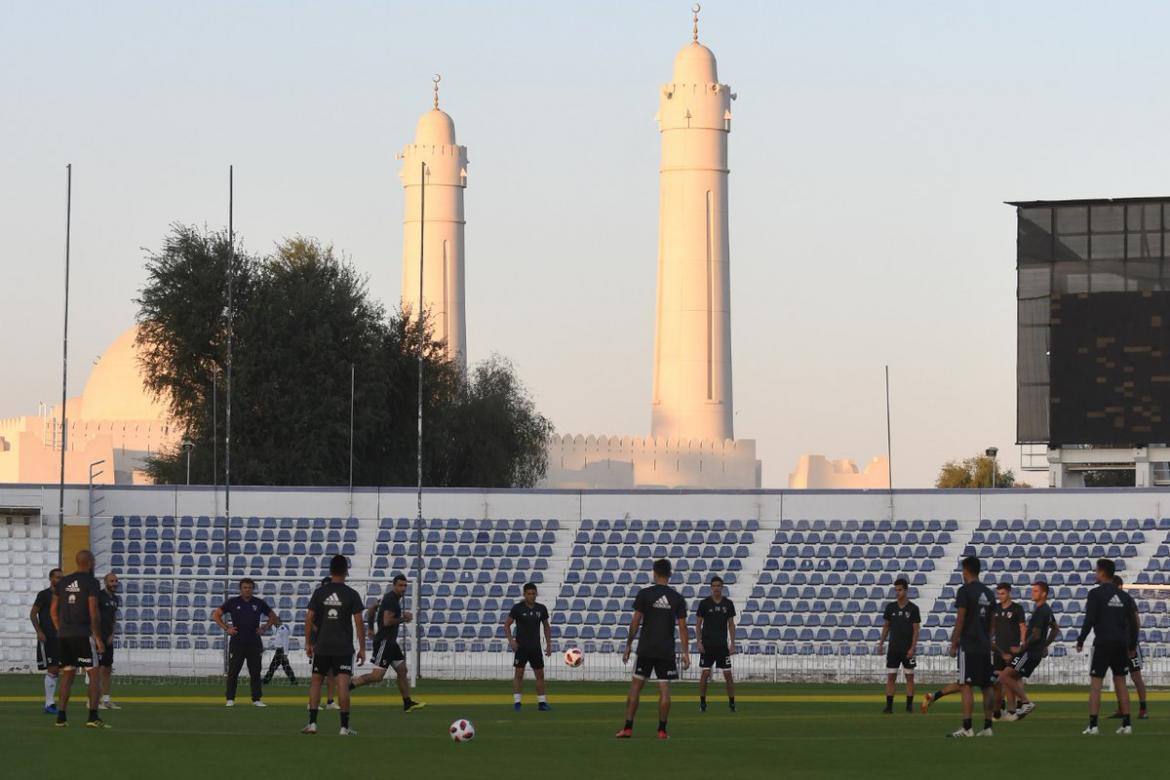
343 678
235 664
94 692
891 686
1139 685
990 700
517 681
272 665
52 675
315 682
632 698
541 696
288 670
331 691
254 659
663 707
68 672
1122 691
730 681
947 690
704 677
908 675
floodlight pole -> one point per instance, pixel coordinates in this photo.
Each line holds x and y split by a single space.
889 446
227 437
64 372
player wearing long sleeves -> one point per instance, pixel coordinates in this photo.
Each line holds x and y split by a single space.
1109 615
971 644
280 640
1135 660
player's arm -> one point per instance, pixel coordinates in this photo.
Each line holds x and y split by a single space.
310 616
1091 611
882 638
914 640
1023 635
1053 633
55 611
508 631
1135 625
95 623
217 618
547 636
368 615
684 634
360 627
34 616
960 619
699 631
635 623
730 635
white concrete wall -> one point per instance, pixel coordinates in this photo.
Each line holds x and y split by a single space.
623 462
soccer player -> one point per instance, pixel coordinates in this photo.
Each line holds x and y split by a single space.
1008 629
1109 613
529 616
1042 630
715 628
971 644
1135 662
334 614
108 605
48 654
280 638
387 653
244 642
657 610
78 622
901 622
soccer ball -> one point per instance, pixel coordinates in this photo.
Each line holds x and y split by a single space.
462 730
574 657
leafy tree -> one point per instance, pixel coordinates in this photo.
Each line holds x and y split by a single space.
975 473
303 320
1110 478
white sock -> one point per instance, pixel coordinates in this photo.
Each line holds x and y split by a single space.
50 689
106 697
515 698
542 699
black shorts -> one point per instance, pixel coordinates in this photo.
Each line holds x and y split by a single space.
1135 663
332 664
48 653
998 662
1026 662
896 659
663 668
388 654
530 656
1109 656
975 669
716 657
107 656
77 652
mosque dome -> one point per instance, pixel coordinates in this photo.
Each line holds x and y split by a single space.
435 127
694 64
116 389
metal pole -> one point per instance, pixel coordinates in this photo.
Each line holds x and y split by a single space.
64 372
422 211
227 437
889 439
215 439
351 390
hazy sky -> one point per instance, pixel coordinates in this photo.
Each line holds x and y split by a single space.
871 149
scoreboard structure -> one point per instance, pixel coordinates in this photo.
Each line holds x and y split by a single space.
1093 331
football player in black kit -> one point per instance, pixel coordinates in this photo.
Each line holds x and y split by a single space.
530 616
1008 630
1135 664
901 622
78 622
333 616
387 652
1041 632
658 609
971 645
48 653
715 629
1109 614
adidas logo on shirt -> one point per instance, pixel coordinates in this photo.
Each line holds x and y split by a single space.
75 587
1115 601
332 600
662 603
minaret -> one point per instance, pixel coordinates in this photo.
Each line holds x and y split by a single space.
692 346
434 175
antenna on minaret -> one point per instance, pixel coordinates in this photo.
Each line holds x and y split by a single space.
436 78
695 31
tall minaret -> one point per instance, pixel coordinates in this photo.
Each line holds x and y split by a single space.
434 175
692 346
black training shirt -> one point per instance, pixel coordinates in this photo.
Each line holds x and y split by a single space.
528 621
1109 615
73 594
1039 626
661 607
977 599
44 605
901 621
715 615
333 606
391 603
108 605
1007 622
246 618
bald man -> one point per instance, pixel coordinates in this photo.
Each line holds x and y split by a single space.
78 621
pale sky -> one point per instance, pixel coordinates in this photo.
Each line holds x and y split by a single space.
871 149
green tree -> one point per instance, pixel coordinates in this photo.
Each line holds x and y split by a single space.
975 472
303 320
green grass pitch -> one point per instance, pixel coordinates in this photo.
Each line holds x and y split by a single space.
183 730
